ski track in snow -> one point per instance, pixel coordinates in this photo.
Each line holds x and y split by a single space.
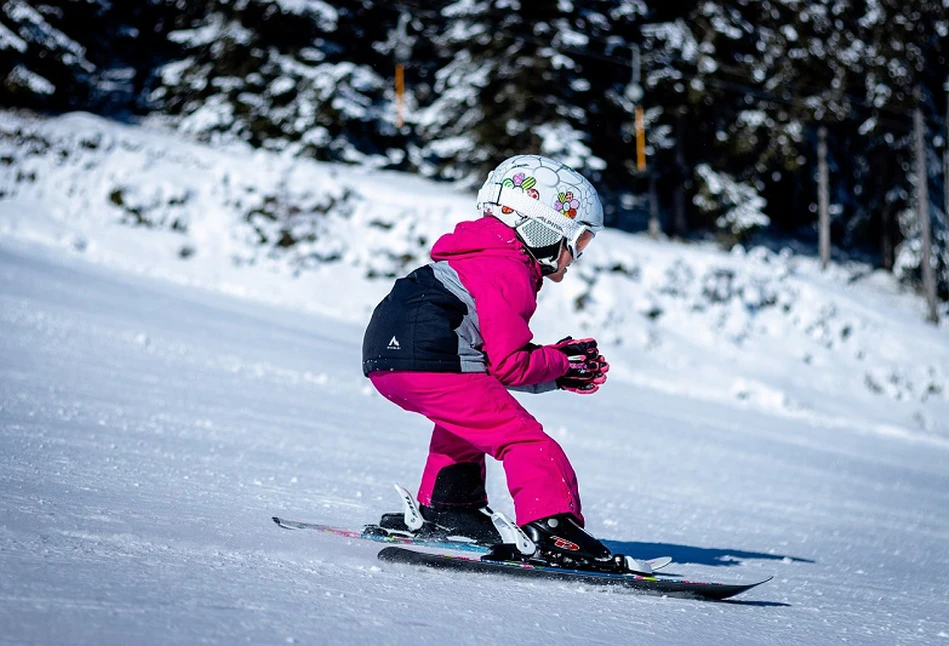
148 431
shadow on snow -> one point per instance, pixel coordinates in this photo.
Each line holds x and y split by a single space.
720 557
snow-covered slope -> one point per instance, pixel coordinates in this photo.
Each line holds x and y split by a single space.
149 431
155 410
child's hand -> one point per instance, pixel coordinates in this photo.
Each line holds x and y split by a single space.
588 368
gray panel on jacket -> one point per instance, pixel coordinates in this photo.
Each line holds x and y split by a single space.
469 332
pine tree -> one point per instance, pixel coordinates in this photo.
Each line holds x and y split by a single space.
280 75
40 65
512 83
91 55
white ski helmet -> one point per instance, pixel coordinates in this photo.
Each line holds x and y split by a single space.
545 202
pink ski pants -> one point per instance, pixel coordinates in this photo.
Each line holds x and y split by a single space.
474 415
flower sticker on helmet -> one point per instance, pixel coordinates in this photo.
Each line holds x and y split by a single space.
523 182
567 204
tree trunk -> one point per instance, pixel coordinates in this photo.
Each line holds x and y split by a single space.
945 168
888 248
823 197
678 205
655 228
922 210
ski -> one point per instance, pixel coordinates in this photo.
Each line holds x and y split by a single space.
634 582
379 535
375 533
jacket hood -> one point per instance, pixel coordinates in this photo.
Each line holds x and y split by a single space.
482 238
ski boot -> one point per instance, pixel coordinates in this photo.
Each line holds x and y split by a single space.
461 524
560 541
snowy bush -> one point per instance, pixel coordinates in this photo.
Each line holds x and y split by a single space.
291 214
908 264
737 208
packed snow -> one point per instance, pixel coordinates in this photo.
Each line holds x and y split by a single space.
180 333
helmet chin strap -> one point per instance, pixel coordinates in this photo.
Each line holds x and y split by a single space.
547 267
547 257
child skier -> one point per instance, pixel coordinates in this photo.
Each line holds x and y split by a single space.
453 336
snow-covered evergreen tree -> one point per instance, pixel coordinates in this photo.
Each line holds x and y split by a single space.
281 74
511 83
40 65
746 84
80 54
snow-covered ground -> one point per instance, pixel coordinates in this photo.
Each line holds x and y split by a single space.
165 389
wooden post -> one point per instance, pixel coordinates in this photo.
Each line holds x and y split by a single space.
402 54
922 210
823 198
634 92
399 93
640 139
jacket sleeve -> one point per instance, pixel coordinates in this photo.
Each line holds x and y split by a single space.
503 314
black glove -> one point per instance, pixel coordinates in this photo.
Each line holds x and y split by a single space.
588 368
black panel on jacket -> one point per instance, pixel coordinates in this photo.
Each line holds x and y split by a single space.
413 328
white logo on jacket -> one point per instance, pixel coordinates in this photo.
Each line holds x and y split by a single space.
394 344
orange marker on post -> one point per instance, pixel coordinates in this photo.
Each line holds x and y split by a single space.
640 139
399 91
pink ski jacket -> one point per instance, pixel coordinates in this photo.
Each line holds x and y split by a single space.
467 311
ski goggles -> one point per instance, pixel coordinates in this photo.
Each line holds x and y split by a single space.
574 248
